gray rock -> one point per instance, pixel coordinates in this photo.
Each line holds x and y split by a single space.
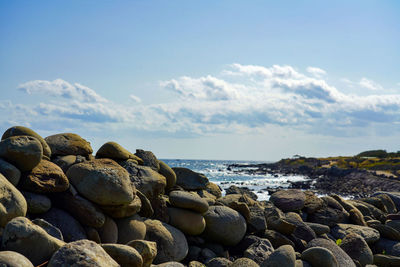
342 258
10 172
49 228
319 229
82 253
149 159
147 249
109 231
115 151
369 234
259 251
131 228
219 262
244 262
37 203
14 259
395 196
386 260
65 162
389 247
123 210
288 200
168 173
319 256
283 256
124 255
190 180
277 239
12 202
187 200
170 264
146 209
189 222
356 247
303 231
68 144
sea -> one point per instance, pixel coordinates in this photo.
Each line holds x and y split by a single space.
217 172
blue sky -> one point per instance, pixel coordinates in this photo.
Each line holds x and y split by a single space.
205 79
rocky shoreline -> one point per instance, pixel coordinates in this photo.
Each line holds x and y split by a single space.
60 205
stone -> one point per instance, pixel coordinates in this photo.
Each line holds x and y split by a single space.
115 151
312 202
82 209
240 207
147 249
49 228
356 217
195 264
277 239
109 231
146 209
22 236
65 162
171 242
368 209
131 228
319 229
329 216
37 203
68 144
187 200
319 256
102 181
92 234
233 189
395 196
123 210
342 258
46 177
259 250
189 222
356 247
256 222
207 254
12 202
160 207
387 246
219 262
214 189
70 228
14 259
83 253
224 225
244 262
168 173
388 203
24 152
288 200
190 180
280 225
385 230
21 130
302 231
369 234
386 260
149 159
145 179
170 264
10 172
283 256
395 224
124 255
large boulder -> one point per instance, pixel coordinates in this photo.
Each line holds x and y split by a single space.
342 258
283 256
187 200
302 231
124 255
46 177
319 256
21 130
356 247
330 214
115 151
102 181
224 225
68 144
189 222
49 228
24 237
37 203
259 250
149 159
190 180
171 242
24 152
83 253
147 249
10 172
288 200
168 173
369 234
395 196
109 231
14 259
131 228
123 210
12 202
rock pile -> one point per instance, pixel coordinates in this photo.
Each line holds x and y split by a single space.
62 206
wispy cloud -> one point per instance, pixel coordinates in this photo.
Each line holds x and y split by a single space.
317 72
369 84
135 98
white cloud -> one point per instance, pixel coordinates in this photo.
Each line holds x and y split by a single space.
135 98
317 72
369 84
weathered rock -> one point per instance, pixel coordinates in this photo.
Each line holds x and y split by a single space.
281 225
319 229
46 177
219 262
241 190
331 214
168 173
131 228
70 228
24 152
24 237
171 243
102 181
92 234
146 210
228 199
388 203
303 231
115 151
65 162
187 200
356 247
385 230
149 159
189 222
190 180
283 256
259 250
12 202
395 196
214 189
195 264
395 224
319 256
240 207
277 239
124 210
369 234
124 255
312 202
224 225
342 258
160 207
170 264
244 262
387 246
386 260
14 259
10 172
368 209
49 228
21 130
109 231
256 222
37 203
288 200
147 249
68 144
82 253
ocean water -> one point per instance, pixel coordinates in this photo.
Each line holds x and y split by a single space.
216 171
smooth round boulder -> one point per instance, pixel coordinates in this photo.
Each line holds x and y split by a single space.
282 256
189 222
124 210
21 130
168 173
82 253
341 257
356 247
171 242
319 256
109 231
224 225
102 181
130 228
113 150
147 249
37 203
243 262
124 255
14 259
219 262
187 200
24 237
24 152
68 144
49 228
190 180
12 202
288 200
46 177
10 172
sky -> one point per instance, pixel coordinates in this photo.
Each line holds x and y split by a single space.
242 80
